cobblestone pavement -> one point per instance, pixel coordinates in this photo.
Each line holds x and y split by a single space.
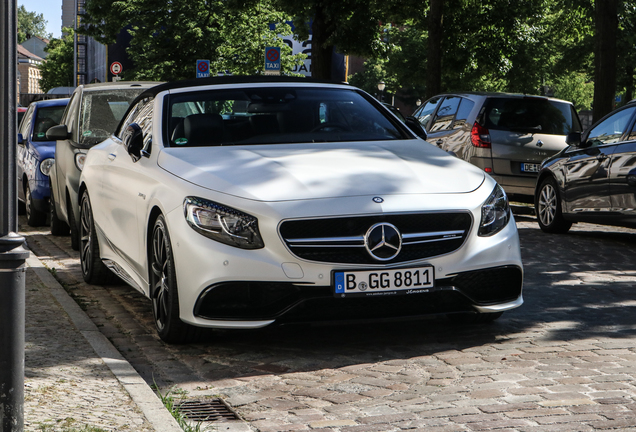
60 367
564 361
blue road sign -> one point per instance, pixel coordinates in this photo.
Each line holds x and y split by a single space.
203 68
272 61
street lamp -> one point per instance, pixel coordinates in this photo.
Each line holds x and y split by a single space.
418 102
381 86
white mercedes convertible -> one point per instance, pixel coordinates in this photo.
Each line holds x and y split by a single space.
240 202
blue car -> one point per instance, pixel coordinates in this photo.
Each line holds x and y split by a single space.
35 155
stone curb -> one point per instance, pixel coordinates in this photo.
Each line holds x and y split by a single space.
141 394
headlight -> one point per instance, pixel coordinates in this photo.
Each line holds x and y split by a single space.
80 158
223 224
495 213
45 166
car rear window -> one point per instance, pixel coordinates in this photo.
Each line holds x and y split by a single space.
46 118
531 115
275 115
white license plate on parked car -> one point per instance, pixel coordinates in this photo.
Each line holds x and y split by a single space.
530 167
384 282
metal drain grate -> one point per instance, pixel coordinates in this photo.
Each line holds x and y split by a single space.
206 410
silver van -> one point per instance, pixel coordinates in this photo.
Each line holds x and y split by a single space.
506 135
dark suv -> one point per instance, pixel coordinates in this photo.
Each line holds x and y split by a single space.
507 135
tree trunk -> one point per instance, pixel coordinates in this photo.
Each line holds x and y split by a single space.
629 85
434 60
320 52
606 16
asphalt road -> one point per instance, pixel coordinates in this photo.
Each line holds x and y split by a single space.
565 360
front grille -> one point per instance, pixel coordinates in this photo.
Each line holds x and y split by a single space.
341 239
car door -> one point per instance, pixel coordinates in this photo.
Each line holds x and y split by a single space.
587 170
124 192
623 177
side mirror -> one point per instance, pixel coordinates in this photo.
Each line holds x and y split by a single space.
20 139
416 127
133 140
59 132
573 139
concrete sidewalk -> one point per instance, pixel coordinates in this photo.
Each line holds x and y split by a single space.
75 380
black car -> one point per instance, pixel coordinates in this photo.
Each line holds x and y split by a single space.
594 179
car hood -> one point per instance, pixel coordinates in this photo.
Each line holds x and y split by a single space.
322 170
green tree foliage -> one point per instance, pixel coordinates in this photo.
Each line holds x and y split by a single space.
348 26
57 70
31 24
168 37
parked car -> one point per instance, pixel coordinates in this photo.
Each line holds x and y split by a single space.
34 158
594 179
93 113
506 135
240 202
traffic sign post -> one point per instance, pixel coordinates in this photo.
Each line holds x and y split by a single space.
203 68
115 69
272 61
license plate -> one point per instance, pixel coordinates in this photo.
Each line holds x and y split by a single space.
530 167
384 282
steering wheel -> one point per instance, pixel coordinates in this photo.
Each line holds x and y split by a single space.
331 126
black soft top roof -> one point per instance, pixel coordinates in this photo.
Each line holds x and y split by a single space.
239 79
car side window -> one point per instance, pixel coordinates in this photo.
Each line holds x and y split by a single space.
142 115
424 114
446 114
464 110
632 133
26 123
611 129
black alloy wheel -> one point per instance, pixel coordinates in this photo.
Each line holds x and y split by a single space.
93 269
58 226
163 289
35 218
548 208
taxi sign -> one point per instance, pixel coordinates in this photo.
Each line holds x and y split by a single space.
272 61
203 68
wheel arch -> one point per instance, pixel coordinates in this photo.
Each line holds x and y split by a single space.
152 218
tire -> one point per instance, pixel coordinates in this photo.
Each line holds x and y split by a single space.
75 234
58 226
93 269
35 218
548 208
164 293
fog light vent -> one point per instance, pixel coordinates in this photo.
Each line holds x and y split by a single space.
206 410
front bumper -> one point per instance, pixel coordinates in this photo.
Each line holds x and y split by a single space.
485 290
225 287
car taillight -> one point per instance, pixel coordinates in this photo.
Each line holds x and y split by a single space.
480 136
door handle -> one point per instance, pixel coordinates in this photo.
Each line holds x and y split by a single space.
112 156
439 142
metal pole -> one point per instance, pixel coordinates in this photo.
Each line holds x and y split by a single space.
12 253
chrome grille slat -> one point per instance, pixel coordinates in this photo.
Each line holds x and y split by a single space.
342 239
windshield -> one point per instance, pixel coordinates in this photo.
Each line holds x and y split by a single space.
273 115
531 115
46 118
101 112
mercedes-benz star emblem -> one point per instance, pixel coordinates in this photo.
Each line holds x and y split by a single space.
378 200
383 241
